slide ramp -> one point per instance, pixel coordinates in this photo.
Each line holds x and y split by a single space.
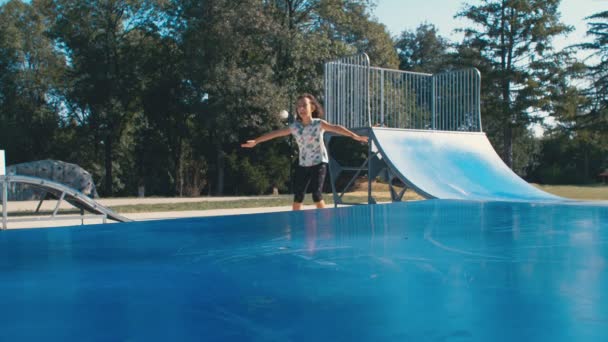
62 192
452 165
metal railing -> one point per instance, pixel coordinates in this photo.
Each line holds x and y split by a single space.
457 100
63 194
347 91
358 95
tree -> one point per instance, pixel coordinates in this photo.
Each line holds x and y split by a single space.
330 28
30 87
595 120
252 58
100 39
228 49
583 116
423 50
161 93
569 159
516 35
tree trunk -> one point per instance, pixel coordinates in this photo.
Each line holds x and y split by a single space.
108 165
505 62
220 171
179 170
588 176
509 121
508 145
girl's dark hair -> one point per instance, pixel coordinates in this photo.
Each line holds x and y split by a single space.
318 112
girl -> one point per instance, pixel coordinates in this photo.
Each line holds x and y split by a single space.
308 132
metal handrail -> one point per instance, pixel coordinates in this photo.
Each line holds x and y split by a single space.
72 196
358 95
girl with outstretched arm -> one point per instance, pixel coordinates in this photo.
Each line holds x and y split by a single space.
308 132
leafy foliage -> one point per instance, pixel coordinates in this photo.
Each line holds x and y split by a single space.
423 50
515 37
160 94
30 83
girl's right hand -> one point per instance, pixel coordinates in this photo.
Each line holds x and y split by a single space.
249 144
361 138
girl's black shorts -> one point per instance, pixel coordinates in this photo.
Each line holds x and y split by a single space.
313 175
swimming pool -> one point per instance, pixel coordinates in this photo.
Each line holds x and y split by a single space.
422 271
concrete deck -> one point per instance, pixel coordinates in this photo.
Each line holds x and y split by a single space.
70 220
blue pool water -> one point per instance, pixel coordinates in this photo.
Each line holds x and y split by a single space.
436 270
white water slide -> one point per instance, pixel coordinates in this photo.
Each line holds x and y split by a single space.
427 128
452 165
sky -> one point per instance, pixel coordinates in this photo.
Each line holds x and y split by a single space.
399 15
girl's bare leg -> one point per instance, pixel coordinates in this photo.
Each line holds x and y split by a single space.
296 206
320 204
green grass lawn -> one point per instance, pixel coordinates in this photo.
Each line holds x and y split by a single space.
582 192
245 203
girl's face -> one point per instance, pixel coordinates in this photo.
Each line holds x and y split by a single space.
304 107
